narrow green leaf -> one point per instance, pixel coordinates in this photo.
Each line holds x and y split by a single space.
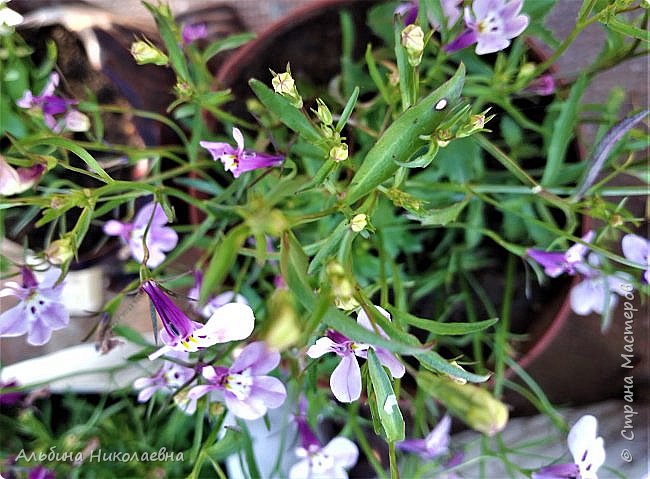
442 329
402 139
222 260
443 216
131 335
347 111
386 401
376 76
434 362
563 132
629 30
331 245
286 113
166 27
229 43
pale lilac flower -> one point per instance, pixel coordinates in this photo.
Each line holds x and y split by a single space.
587 449
16 180
40 310
596 293
637 249
231 322
193 32
213 303
543 85
52 105
318 462
160 238
238 160
436 443
556 263
40 472
247 391
491 24
345 380
168 379
450 9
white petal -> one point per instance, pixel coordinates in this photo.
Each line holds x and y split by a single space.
231 322
344 452
364 320
239 138
581 436
322 346
300 470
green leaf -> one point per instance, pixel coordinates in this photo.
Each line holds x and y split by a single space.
229 43
286 112
385 400
166 27
402 139
230 443
347 111
432 361
331 245
442 329
443 216
222 260
563 131
629 30
131 335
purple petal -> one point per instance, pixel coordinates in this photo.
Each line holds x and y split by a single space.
177 325
117 228
322 346
491 43
269 390
218 149
13 322
552 262
250 408
557 471
465 39
256 357
389 360
588 296
414 446
194 32
364 320
635 248
53 105
437 441
198 391
251 160
345 381
145 213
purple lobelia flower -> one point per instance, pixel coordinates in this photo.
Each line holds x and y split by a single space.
10 398
345 380
556 263
247 391
40 310
543 85
193 32
637 249
213 303
231 322
168 379
238 160
318 462
587 449
160 238
52 105
491 24
40 472
450 10
597 291
16 180
436 443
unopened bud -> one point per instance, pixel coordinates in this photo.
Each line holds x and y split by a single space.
358 223
413 42
284 84
76 121
283 329
339 152
59 251
323 113
145 52
475 124
476 406
342 287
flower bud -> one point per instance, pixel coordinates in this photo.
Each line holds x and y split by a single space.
413 42
284 84
76 121
145 52
323 113
358 223
474 124
476 406
342 287
283 330
59 251
339 152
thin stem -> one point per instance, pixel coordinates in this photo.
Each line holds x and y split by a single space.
394 471
501 338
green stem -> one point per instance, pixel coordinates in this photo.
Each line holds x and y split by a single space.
394 471
501 338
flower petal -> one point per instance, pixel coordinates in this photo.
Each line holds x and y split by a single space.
322 346
256 357
344 452
389 360
249 408
218 149
231 322
239 139
269 390
364 320
635 248
300 470
13 322
581 436
345 381
437 441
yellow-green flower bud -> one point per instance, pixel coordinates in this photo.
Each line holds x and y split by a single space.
145 52
475 124
342 287
59 251
323 113
358 223
413 42
339 152
284 84
283 330
476 406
